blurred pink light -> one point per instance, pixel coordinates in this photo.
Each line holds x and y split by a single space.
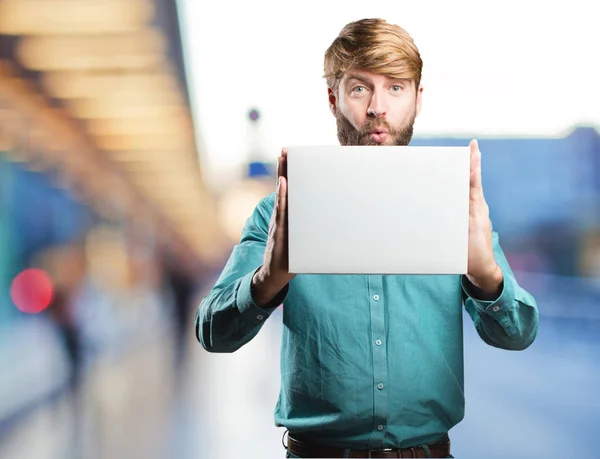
32 291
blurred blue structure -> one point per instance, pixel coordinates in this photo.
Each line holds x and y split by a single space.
35 214
538 181
543 193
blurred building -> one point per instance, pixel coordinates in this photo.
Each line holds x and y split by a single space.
100 187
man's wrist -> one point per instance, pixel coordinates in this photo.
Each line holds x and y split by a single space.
489 284
265 288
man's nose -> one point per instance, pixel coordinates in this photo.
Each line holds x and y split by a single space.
377 106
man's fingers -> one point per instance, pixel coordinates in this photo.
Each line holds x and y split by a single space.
476 183
280 168
279 216
281 198
474 151
275 208
282 195
282 164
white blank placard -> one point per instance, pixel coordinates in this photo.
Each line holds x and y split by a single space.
378 210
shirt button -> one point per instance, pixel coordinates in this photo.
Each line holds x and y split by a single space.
379 427
380 386
496 308
376 297
260 317
378 342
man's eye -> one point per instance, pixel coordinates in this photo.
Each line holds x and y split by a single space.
358 89
397 88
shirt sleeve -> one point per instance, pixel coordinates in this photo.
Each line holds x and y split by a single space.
511 320
227 318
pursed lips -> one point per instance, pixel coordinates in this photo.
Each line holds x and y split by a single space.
378 135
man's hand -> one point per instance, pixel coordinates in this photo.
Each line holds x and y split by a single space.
273 275
482 270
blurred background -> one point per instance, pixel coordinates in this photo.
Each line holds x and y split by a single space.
136 136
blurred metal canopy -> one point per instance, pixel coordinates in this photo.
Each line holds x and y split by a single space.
98 90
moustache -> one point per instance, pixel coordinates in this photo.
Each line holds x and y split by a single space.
376 123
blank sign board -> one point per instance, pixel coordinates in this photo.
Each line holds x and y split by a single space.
378 210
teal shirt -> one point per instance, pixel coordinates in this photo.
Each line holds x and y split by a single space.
367 361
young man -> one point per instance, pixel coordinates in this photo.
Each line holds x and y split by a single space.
372 366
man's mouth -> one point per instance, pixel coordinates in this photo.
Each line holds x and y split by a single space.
378 135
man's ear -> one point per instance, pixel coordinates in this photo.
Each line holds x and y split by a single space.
332 101
419 99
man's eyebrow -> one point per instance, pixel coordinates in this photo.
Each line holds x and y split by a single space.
402 80
353 76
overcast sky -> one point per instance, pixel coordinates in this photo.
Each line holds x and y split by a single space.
522 68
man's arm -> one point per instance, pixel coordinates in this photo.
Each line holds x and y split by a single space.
228 317
504 314
508 319
256 278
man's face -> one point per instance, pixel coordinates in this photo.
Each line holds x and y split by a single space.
373 109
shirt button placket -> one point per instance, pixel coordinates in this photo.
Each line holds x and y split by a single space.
381 408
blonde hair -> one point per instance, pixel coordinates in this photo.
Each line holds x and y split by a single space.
374 45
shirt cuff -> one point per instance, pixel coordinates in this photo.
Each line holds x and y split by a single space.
248 307
501 305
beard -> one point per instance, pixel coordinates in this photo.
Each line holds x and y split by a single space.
349 135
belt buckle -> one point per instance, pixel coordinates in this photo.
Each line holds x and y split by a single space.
382 450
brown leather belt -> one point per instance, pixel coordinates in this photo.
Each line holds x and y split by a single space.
301 448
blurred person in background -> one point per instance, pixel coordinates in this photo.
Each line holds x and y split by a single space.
183 288
372 366
67 267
